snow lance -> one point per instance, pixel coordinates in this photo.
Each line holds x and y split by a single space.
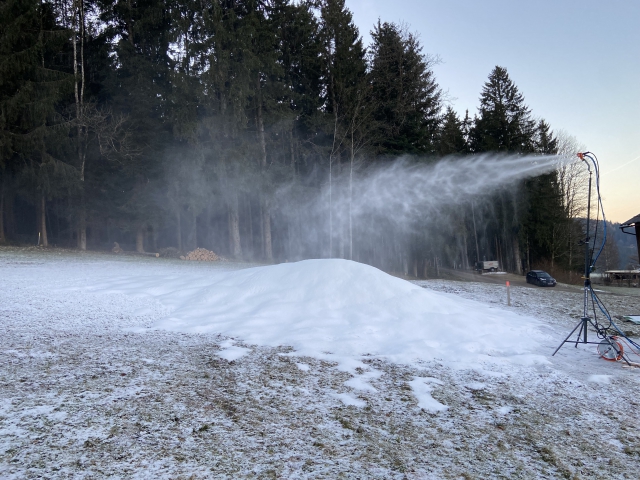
610 339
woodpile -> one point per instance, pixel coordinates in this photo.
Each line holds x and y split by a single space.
201 255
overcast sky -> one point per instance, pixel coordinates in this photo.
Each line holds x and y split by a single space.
576 62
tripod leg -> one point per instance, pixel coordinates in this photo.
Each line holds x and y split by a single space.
580 334
565 340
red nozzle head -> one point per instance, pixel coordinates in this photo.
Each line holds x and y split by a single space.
581 156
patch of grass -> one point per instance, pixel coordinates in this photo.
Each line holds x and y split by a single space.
398 465
345 423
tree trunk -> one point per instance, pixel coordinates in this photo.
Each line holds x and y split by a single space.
81 127
234 227
82 223
194 230
154 239
58 229
179 229
475 233
261 222
553 246
9 218
70 222
571 252
252 248
209 233
82 237
351 203
341 222
266 207
2 236
43 223
130 22
516 256
333 147
292 152
465 256
266 220
140 239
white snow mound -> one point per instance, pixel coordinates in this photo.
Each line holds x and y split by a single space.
343 308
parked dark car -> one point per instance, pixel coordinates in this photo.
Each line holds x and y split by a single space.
541 278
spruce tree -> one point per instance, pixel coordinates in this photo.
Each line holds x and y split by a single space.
139 88
504 122
406 96
452 135
227 72
545 225
32 83
344 74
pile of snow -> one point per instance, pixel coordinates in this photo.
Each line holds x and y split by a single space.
340 310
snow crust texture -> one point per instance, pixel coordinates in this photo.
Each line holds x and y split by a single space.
82 396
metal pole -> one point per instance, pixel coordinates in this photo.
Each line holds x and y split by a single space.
587 264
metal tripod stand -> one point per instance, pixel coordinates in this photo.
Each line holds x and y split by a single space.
585 321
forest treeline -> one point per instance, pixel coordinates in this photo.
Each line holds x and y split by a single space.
180 123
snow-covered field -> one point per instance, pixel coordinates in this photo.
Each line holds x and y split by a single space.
153 368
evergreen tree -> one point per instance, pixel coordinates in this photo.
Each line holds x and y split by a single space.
139 88
32 83
406 96
343 57
452 134
545 225
504 122
344 83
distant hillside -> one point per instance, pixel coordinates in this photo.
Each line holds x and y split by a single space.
627 247
621 251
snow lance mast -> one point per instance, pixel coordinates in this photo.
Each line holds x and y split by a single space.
488 266
611 341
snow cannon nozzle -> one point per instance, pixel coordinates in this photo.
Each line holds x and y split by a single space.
580 156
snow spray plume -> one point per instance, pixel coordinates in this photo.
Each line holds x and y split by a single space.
407 195
419 189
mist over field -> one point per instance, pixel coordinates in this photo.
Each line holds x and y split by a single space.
270 132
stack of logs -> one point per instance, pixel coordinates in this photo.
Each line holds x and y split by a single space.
201 255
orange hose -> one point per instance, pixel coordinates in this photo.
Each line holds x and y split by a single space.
619 356
630 347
